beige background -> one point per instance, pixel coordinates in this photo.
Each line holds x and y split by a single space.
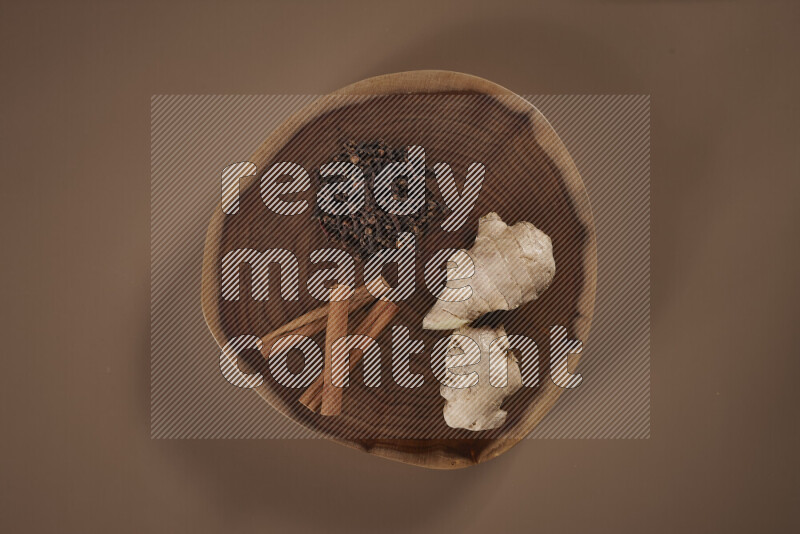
77 80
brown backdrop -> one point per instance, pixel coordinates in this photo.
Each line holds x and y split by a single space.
76 81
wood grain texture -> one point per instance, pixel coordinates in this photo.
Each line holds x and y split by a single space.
530 176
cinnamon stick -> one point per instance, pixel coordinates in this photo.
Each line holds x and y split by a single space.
378 318
314 321
317 317
336 328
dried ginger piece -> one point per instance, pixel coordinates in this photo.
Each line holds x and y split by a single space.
477 407
513 265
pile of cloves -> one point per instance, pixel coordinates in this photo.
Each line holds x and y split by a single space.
371 228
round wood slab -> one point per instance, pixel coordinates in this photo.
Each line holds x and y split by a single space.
529 177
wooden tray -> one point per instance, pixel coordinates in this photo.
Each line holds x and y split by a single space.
530 176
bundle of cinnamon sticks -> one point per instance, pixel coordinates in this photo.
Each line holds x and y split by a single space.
323 395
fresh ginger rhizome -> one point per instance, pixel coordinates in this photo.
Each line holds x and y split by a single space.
507 267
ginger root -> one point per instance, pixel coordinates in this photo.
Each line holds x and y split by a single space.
513 265
478 407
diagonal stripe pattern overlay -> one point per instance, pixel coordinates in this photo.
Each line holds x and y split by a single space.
194 138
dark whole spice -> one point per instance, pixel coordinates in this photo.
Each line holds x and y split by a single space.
371 228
